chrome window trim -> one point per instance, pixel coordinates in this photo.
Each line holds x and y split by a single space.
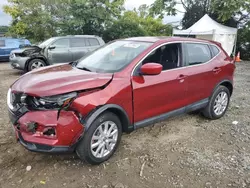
179 42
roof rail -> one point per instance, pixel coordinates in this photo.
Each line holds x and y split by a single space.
82 36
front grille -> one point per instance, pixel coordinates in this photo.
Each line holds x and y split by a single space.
17 113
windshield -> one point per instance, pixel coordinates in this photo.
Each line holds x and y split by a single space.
46 42
112 57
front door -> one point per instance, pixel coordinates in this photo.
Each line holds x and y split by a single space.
58 52
157 95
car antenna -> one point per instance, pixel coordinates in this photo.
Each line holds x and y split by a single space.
189 34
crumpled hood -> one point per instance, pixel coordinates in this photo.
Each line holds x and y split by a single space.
59 79
19 51
30 48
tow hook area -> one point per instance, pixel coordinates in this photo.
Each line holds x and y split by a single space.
43 127
47 131
32 127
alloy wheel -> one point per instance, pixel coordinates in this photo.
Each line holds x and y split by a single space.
104 139
36 64
220 103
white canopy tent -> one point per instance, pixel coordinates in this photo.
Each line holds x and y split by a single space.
207 28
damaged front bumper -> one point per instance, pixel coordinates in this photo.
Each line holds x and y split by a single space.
18 62
42 131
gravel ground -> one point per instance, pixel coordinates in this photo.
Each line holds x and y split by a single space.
185 151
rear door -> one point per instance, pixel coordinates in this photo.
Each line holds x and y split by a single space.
78 47
202 70
59 52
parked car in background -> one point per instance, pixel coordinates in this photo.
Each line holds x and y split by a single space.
85 106
54 50
9 44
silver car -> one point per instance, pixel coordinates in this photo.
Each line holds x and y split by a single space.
54 50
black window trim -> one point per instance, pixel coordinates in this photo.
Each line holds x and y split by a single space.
133 73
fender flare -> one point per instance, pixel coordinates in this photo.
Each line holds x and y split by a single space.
220 83
126 125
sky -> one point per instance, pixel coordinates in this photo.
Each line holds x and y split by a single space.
4 18
129 4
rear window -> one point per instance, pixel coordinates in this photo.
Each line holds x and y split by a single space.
197 53
215 50
78 42
93 42
2 43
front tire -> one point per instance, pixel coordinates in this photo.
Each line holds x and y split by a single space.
35 64
101 139
218 103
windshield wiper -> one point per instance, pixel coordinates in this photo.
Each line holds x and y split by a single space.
73 63
84 68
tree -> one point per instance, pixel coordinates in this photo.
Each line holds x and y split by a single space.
152 26
137 22
243 42
39 20
239 10
31 19
123 29
90 16
4 29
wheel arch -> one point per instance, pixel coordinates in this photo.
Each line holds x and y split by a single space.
117 110
32 58
228 84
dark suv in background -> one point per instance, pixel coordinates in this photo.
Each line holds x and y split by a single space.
54 50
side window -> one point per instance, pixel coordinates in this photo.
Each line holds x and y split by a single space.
215 50
2 43
168 56
197 53
61 43
77 42
93 42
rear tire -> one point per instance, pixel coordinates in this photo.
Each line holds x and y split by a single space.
98 143
218 103
36 63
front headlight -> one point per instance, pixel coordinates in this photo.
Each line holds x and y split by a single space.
53 102
9 100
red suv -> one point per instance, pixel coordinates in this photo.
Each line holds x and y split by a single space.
85 106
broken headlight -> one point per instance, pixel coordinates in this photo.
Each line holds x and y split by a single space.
53 102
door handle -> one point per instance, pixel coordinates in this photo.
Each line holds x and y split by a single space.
181 77
216 70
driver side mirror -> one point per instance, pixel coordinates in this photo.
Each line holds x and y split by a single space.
151 69
52 47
